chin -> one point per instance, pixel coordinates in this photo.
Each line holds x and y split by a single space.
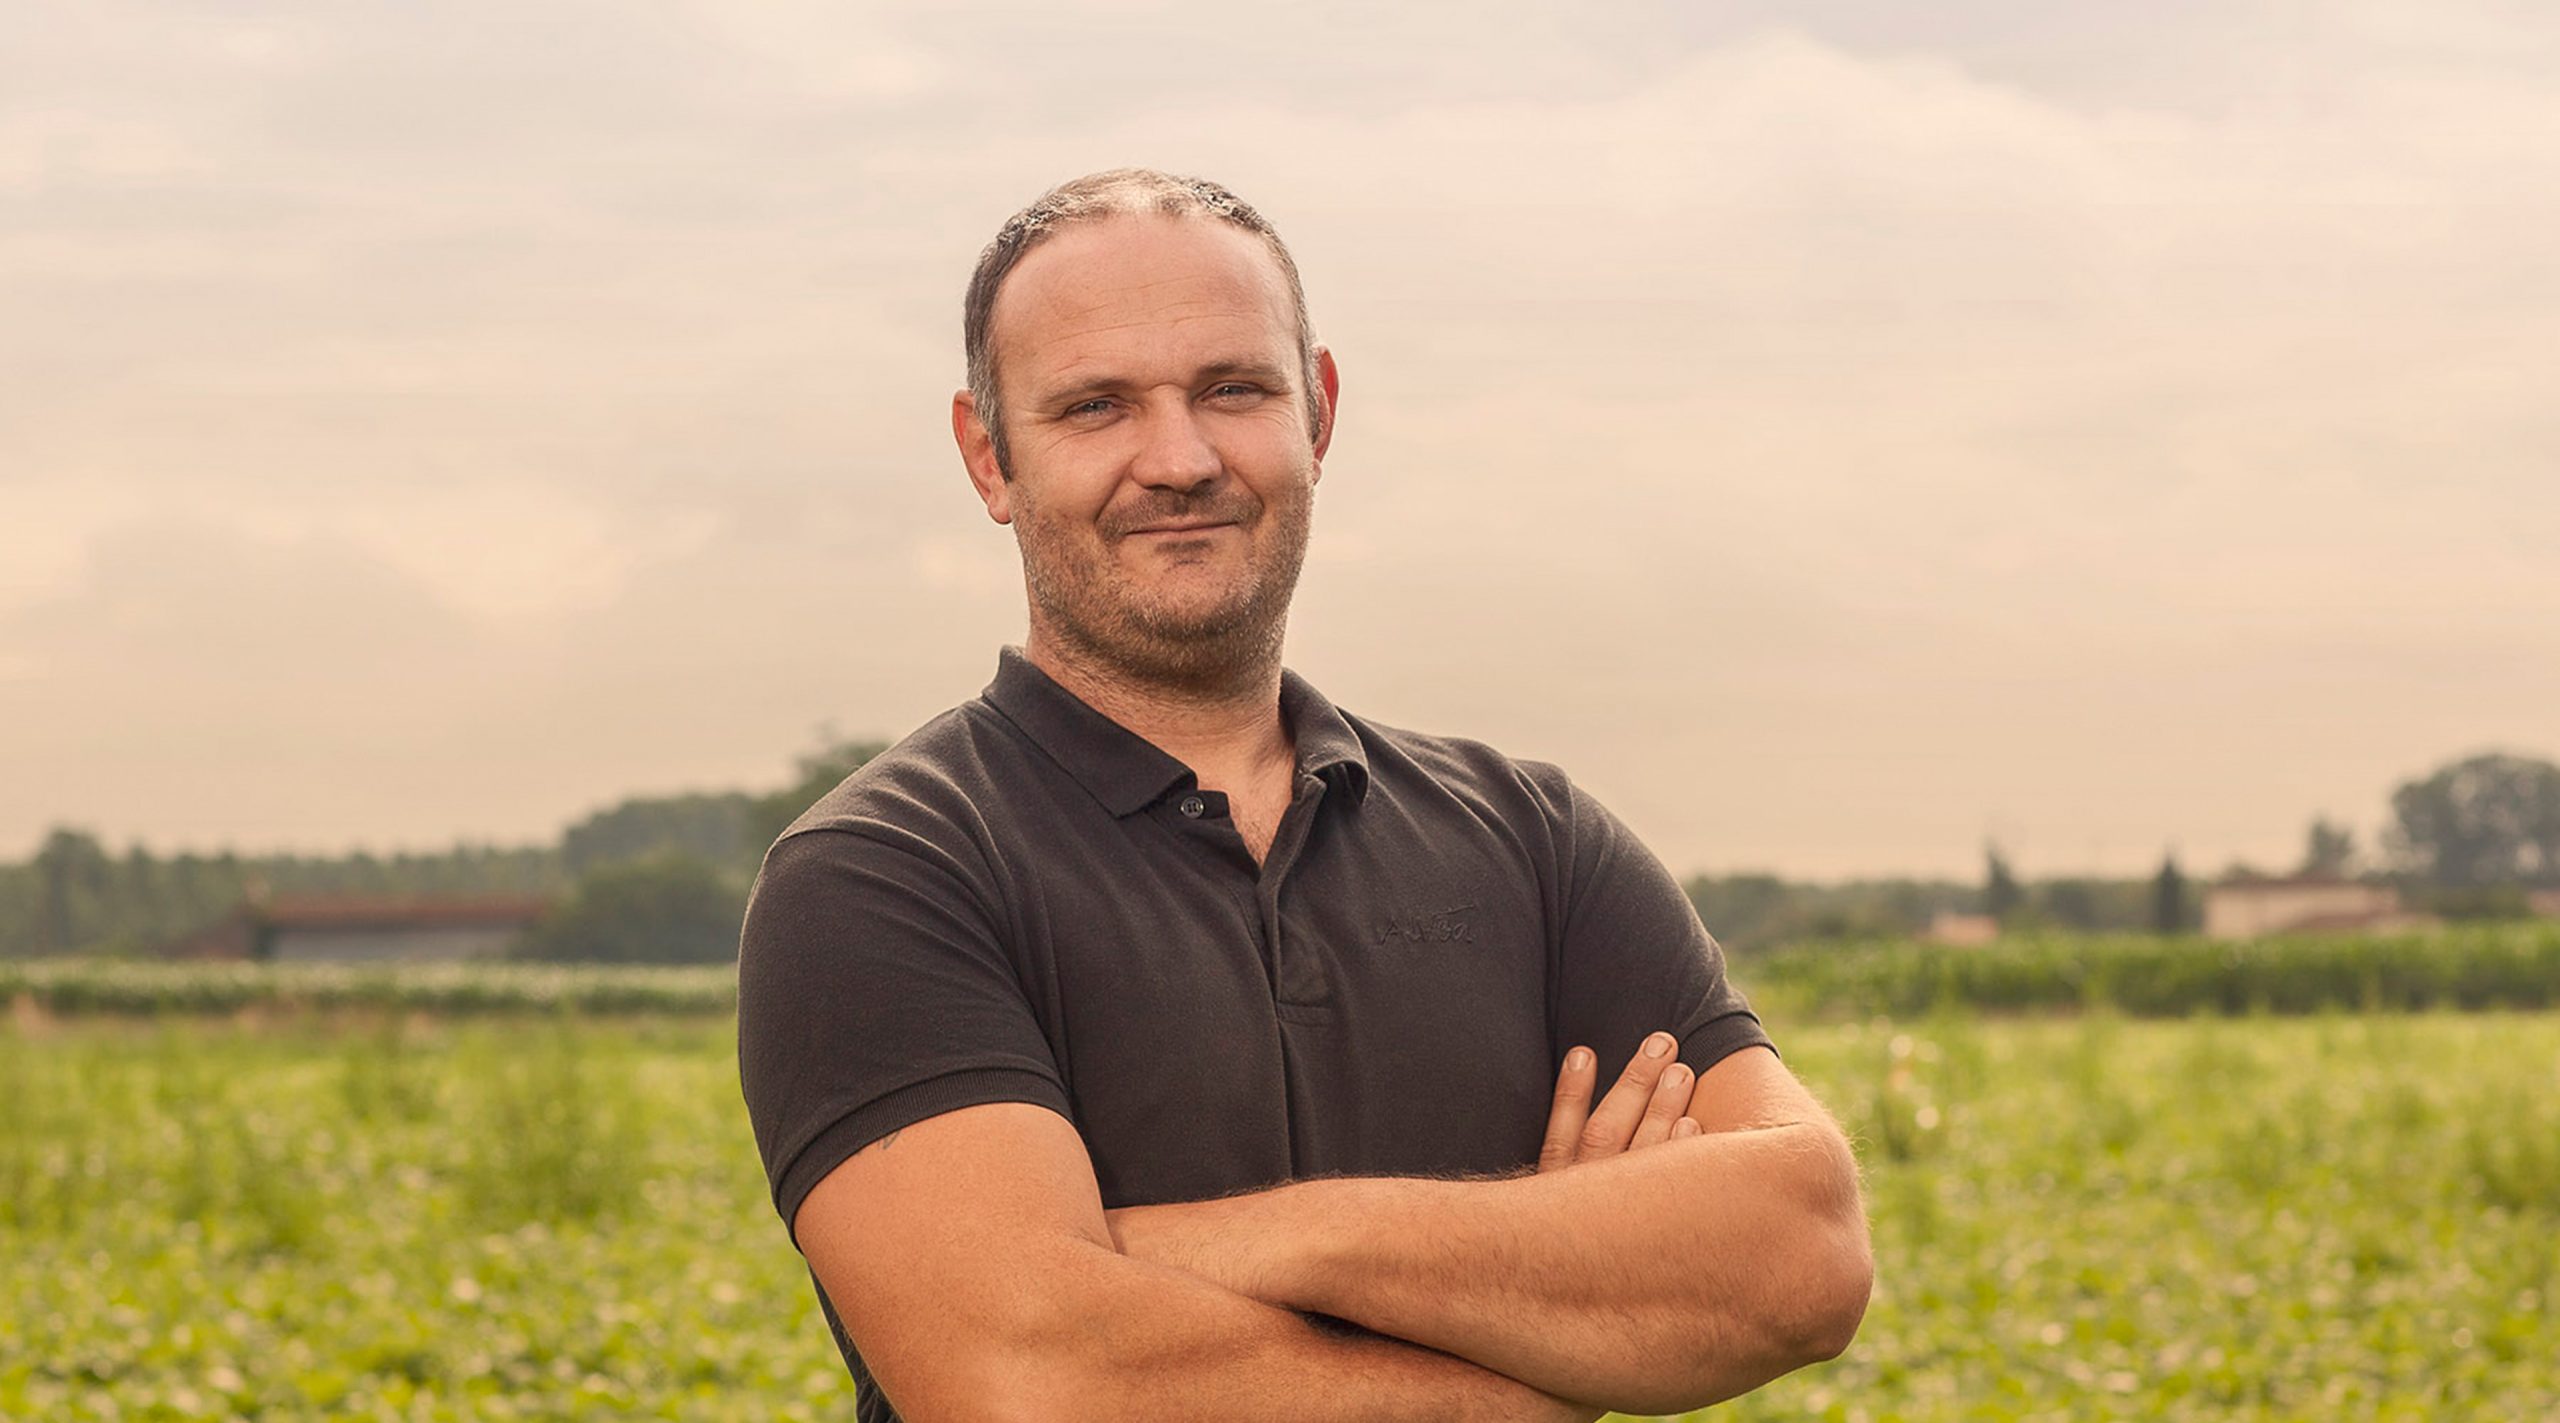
1196 644
1181 607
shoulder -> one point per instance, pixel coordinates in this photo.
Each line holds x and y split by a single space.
938 792
915 817
935 772
1467 771
1533 804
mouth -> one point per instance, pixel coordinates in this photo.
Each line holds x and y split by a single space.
1176 529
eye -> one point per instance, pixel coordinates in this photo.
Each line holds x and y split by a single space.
1096 406
1234 390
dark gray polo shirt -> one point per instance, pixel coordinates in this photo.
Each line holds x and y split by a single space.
1025 901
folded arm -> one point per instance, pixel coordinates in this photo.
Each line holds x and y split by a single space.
1653 1281
969 1259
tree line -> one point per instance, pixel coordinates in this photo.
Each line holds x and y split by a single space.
2470 840
650 879
664 879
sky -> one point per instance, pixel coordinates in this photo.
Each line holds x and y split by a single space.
1838 434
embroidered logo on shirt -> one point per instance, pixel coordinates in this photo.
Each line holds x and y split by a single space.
1449 926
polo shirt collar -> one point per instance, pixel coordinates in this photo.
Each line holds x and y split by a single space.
1327 746
1127 772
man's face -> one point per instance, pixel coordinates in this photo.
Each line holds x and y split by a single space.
1162 472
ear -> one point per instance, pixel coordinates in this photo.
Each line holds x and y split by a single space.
978 454
1328 395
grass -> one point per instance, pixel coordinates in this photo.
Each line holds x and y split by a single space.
2335 1216
532 1219
2341 1216
2470 966
150 988
2475 966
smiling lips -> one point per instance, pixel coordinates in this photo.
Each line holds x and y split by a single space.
1183 528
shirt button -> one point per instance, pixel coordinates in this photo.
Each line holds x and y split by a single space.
1193 806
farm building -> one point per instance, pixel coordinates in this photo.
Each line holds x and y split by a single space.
1965 931
2247 908
359 929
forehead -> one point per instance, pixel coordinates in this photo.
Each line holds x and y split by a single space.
1142 289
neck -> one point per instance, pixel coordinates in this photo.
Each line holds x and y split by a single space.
1223 727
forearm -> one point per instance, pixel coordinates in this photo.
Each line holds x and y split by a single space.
1113 1338
1656 1281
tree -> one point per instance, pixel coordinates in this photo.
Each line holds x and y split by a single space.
1742 910
670 909
2328 851
73 874
817 773
2490 819
2169 897
2072 903
2001 896
717 828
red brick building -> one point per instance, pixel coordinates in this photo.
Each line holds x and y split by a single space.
367 929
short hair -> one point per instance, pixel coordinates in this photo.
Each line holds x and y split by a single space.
1090 198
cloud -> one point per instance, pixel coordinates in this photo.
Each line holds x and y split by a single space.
168 617
1822 427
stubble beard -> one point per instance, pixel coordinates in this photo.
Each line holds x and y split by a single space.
1231 646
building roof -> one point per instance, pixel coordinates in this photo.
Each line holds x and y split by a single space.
398 912
2256 882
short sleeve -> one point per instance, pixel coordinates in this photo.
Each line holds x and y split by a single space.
874 991
1633 958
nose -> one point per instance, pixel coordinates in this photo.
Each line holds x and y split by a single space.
1175 454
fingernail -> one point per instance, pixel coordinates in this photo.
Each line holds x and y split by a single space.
1675 1074
1576 1060
1684 1127
1657 1045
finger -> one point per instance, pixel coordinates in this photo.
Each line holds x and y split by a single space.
1686 1126
1571 1109
1670 1103
1613 1122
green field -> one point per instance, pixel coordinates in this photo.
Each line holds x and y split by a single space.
395 1215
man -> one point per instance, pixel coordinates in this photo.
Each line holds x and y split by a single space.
1122 1037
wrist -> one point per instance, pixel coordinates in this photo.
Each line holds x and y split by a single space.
1285 1239
1323 1242
1256 1245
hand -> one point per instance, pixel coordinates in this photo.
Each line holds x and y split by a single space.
1649 1103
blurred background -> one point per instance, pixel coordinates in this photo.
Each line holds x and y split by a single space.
2038 515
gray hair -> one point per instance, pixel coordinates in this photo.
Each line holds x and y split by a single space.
1090 198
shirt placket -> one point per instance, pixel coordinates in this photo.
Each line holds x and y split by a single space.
1294 971
1299 978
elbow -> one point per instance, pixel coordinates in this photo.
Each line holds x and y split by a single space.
1787 1291
1839 1284
1837 1264
1822 1266
1058 1406
1036 1360
1829 1276
1018 1386
1065 1362
1819 1272
1056 1381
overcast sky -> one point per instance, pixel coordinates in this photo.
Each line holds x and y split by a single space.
1836 433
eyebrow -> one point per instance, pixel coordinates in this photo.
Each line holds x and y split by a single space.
1262 371
1236 368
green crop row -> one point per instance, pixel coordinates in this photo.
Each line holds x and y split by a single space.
2469 967
2343 1218
77 987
